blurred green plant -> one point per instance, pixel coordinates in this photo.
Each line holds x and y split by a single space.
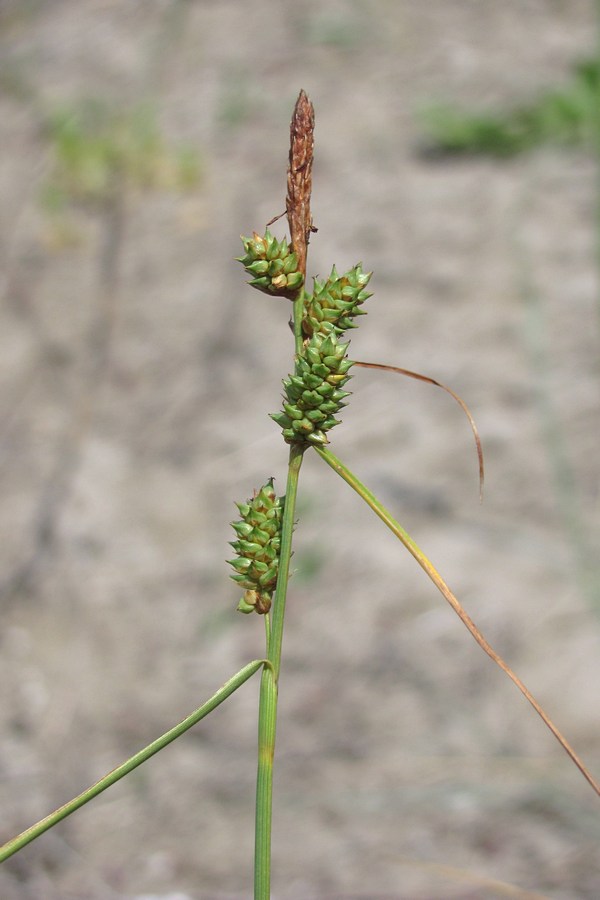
567 116
97 151
237 97
336 31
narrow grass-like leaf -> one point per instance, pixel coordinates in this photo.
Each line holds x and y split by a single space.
34 831
428 567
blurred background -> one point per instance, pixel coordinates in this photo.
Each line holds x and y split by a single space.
457 156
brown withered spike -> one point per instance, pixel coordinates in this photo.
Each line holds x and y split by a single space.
299 177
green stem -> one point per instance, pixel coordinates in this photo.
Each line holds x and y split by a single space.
297 319
267 716
62 812
287 528
596 146
267 720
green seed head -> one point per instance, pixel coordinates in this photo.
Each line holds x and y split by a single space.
255 601
258 538
314 393
334 303
272 264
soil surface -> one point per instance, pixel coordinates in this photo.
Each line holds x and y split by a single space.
137 371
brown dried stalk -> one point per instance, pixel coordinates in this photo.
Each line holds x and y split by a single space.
299 178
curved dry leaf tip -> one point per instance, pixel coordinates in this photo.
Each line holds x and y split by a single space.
398 370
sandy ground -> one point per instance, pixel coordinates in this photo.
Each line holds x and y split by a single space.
137 371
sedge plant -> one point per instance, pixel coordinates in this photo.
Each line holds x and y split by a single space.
314 394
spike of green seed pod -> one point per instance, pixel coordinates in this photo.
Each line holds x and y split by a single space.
321 372
248 602
240 565
248 548
292 411
261 284
257 548
336 301
295 280
269 578
310 400
290 264
312 381
302 427
313 355
258 267
282 419
242 581
243 607
274 249
330 406
242 529
325 389
278 284
263 603
273 265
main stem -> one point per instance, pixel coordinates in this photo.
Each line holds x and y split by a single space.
297 204
267 716
596 145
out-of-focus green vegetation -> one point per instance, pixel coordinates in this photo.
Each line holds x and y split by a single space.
96 151
564 117
567 116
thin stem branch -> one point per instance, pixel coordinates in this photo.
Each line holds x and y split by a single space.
34 831
387 518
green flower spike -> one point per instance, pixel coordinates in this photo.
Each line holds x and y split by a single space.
335 302
272 265
257 548
313 394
